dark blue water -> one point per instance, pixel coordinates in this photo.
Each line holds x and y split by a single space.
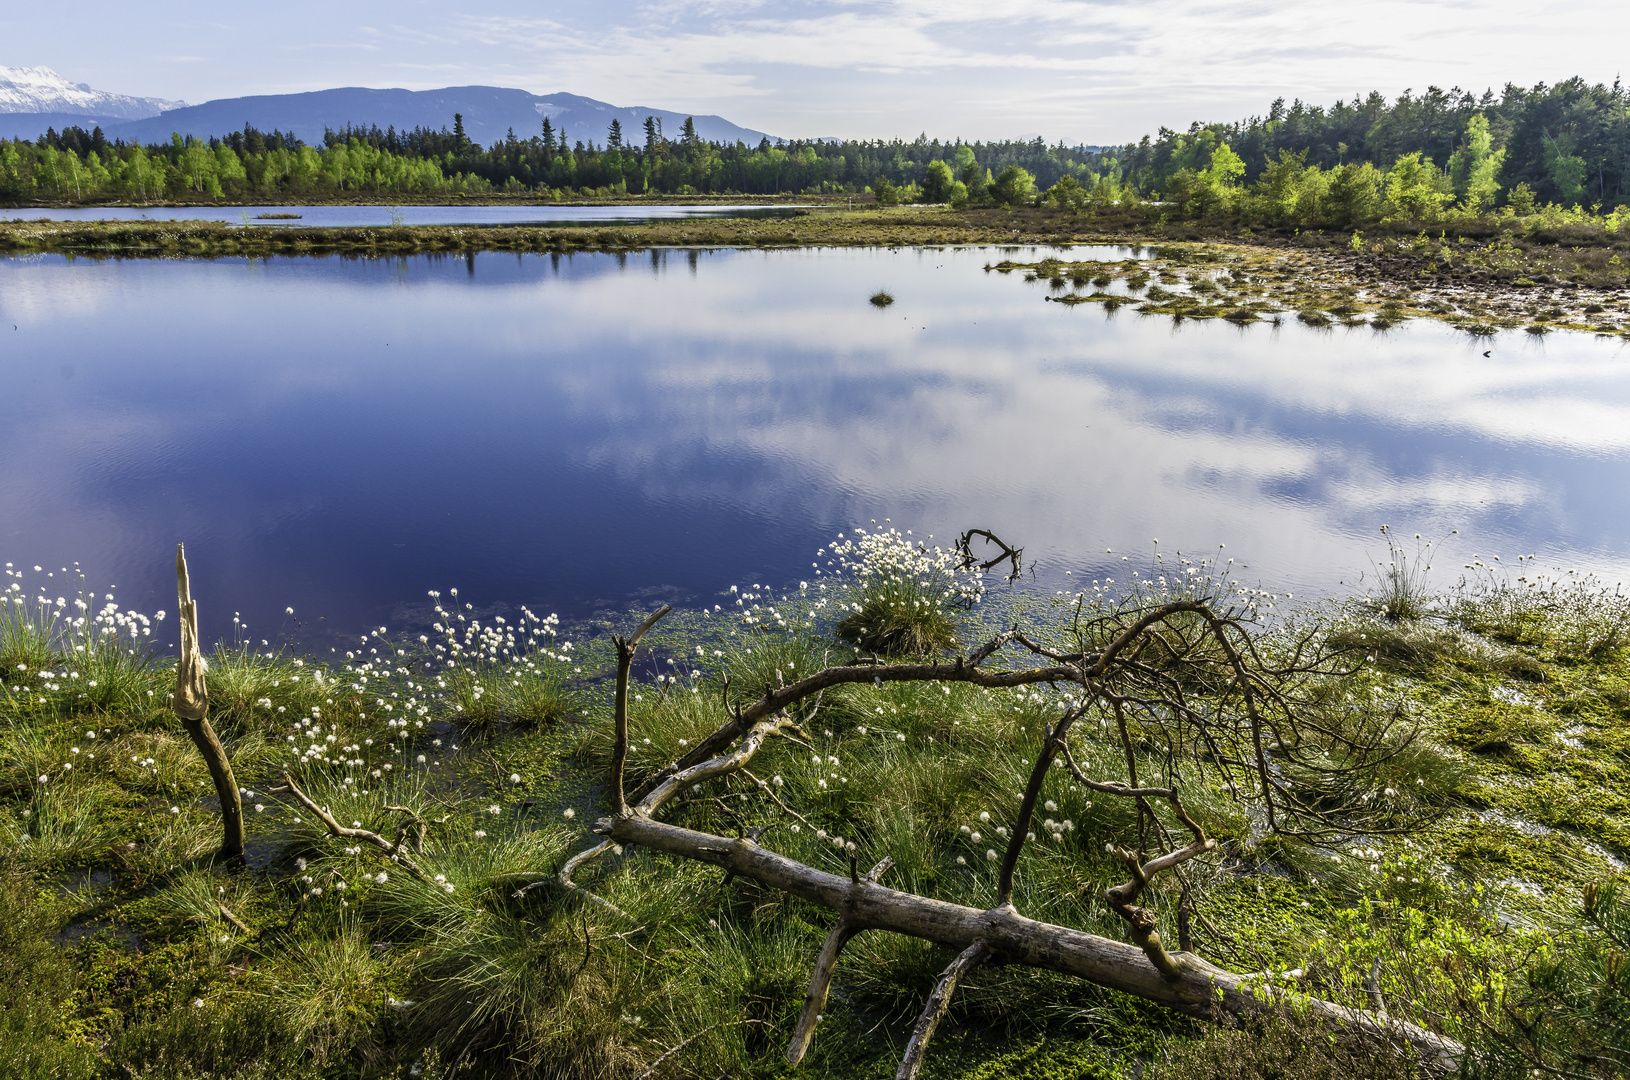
370 216
591 432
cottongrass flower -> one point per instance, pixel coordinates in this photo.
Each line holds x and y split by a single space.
568 813
382 877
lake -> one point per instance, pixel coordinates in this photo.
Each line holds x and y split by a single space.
335 217
598 431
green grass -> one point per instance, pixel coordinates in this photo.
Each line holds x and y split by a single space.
1509 773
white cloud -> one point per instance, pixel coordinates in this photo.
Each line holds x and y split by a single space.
1087 70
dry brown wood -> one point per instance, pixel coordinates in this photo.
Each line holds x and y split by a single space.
226 913
190 703
625 663
1198 988
393 849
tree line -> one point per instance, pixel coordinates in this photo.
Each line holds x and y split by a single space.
75 165
1418 157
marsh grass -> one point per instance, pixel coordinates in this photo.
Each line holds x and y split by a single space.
361 967
63 825
1279 1044
903 595
1574 617
1400 592
39 1036
333 992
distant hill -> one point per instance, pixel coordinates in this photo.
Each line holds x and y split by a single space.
490 112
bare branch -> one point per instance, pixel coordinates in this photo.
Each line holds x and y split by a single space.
348 832
239 924
1197 989
1027 806
566 882
1005 553
933 1012
1242 719
820 980
625 662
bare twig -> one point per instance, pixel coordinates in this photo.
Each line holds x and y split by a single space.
226 913
933 1012
625 662
392 849
820 980
1005 553
672 1050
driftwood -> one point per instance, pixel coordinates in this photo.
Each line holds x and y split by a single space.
1253 733
191 705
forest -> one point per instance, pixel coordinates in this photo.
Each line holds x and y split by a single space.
1417 158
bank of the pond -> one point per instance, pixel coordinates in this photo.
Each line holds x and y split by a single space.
1480 284
129 951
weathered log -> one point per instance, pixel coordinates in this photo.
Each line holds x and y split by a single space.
1182 981
1197 988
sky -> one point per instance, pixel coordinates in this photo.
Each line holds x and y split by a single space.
1080 71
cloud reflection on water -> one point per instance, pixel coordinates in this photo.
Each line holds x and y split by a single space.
345 434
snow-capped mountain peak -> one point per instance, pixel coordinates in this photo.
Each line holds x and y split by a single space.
41 90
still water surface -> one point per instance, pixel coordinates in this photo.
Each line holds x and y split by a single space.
589 432
334 217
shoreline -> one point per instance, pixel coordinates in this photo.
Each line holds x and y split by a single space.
1478 287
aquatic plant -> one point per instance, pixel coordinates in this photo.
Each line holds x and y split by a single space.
1400 592
902 595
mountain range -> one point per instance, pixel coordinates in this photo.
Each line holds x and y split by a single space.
32 99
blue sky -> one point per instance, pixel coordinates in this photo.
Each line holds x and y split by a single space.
1093 71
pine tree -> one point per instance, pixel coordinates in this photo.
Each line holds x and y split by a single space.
614 137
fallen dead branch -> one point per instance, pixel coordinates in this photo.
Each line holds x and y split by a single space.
1254 734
